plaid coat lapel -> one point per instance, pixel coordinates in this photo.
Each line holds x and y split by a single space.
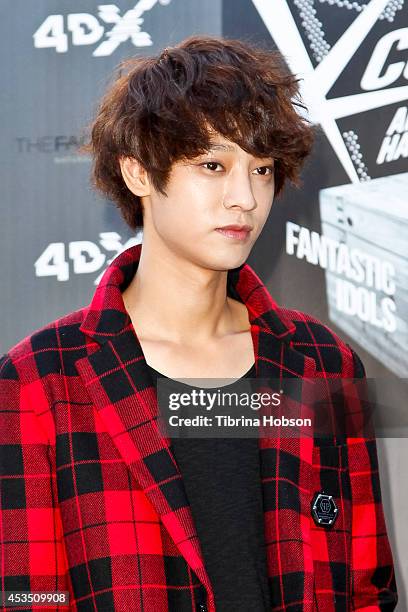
117 379
286 463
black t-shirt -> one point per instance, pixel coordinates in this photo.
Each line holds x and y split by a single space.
223 485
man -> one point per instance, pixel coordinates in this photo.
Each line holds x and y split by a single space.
193 145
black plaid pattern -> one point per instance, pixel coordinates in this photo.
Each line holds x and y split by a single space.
110 521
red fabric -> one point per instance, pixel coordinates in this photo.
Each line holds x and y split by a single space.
93 501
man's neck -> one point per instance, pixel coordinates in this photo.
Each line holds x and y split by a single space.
178 301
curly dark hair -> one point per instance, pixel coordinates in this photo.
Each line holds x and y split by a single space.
159 108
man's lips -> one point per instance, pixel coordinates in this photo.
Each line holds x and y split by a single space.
237 232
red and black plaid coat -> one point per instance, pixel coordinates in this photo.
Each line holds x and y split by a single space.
93 502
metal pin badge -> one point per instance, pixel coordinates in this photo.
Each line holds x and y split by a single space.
324 509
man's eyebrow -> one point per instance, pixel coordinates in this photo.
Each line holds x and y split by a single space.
220 147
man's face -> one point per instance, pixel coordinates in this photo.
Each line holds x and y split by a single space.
226 186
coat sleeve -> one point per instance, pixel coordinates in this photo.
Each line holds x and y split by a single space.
32 549
373 579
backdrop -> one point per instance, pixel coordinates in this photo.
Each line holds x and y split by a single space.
335 248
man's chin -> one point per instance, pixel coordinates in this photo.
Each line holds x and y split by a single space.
227 261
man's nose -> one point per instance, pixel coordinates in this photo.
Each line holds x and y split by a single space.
238 192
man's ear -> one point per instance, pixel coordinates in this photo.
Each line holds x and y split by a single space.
135 176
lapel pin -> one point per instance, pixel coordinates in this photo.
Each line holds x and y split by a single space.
324 510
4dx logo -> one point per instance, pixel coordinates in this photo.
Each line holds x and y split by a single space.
86 256
86 29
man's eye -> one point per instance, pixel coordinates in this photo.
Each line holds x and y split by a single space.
270 168
211 164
